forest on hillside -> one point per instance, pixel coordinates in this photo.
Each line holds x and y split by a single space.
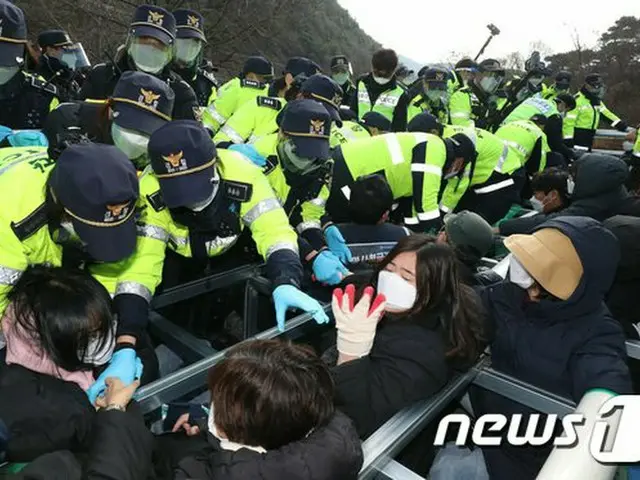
235 29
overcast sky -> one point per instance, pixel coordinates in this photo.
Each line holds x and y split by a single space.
428 31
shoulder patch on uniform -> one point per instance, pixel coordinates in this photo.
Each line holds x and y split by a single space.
272 163
269 102
40 84
209 76
251 83
156 201
239 191
31 224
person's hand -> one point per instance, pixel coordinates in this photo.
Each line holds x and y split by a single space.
288 296
124 365
328 269
117 393
183 424
337 245
250 152
356 325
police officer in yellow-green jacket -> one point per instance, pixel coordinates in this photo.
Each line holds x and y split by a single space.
253 81
562 84
197 200
434 97
415 165
78 212
529 141
580 124
254 120
371 125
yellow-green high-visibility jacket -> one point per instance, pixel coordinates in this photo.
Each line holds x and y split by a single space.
582 122
412 165
636 146
420 104
250 201
528 140
307 214
251 121
532 106
349 132
550 92
231 96
385 103
460 108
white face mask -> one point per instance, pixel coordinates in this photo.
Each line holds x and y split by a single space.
131 143
148 58
225 443
489 84
518 275
187 50
7 73
341 78
381 80
571 185
99 353
537 205
400 294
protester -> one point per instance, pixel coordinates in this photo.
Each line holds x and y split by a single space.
552 328
404 345
59 328
550 190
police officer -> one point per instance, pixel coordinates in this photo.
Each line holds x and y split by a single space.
254 120
79 212
529 141
188 61
582 122
341 72
374 123
426 123
253 81
141 103
25 99
56 65
464 71
197 201
149 49
562 84
554 111
434 97
416 165
378 90
477 103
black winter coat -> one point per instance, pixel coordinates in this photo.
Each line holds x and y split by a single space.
565 347
599 193
330 453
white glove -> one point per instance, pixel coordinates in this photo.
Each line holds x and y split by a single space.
356 326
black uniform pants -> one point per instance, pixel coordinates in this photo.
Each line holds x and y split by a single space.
491 200
338 202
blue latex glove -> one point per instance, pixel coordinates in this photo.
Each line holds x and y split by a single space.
250 152
337 245
28 138
288 296
328 269
4 132
124 365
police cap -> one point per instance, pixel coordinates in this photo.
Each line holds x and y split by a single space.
98 187
155 22
13 34
426 123
490 65
594 79
142 102
54 38
436 77
340 63
327 91
301 65
563 77
568 99
183 158
376 120
258 65
189 24
463 147
308 124
466 64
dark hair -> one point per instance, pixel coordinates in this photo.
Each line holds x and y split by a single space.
633 180
385 60
441 293
270 393
370 199
62 310
551 179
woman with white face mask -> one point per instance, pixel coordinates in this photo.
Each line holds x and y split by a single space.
140 104
402 345
59 328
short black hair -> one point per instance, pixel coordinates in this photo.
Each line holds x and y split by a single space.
385 60
370 199
551 179
62 310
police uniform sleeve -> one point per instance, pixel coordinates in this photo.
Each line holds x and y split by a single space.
186 106
95 83
275 240
13 261
454 191
314 219
142 273
426 176
399 121
612 118
239 127
460 109
217 114
569 126
555 129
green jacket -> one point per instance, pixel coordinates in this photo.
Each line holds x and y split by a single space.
527 140
581 123
385 104
349 132
251 121
230 97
